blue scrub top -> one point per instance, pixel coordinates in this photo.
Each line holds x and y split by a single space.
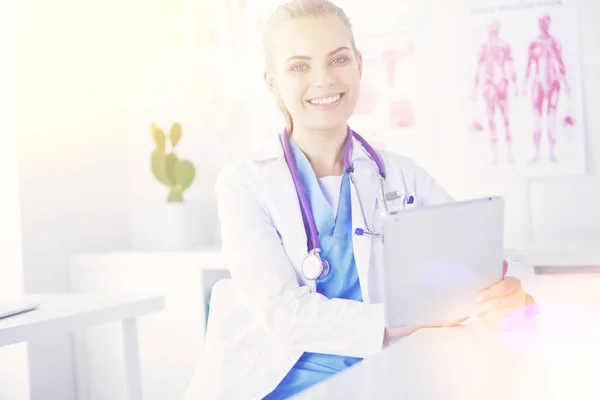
335 238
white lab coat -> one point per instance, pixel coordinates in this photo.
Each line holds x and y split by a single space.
267 315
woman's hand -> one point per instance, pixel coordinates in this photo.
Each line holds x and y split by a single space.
493 305
396 333
504 299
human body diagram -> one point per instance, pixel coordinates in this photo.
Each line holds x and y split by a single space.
544 78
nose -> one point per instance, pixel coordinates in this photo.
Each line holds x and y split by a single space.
323 77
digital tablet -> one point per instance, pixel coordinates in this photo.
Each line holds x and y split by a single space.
437 259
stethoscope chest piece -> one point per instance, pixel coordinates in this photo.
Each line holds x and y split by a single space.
314 267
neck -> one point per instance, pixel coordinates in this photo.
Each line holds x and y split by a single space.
324 149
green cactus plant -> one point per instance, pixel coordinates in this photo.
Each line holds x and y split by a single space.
175 173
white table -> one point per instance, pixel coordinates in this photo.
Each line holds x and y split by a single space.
185 279
175 334
193 271
71 312
557 357
467 363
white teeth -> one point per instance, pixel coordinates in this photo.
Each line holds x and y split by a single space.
326 100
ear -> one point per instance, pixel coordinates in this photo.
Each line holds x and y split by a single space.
270 82
359 60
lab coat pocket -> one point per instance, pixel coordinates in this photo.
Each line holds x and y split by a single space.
412 204
401 202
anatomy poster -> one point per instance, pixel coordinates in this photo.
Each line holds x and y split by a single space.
388 88
525 105
393 111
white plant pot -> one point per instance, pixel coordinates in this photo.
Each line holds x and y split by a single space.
179 226
176 226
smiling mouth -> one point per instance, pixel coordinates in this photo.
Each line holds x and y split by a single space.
323 101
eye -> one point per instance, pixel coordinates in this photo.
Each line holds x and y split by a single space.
340 60
299 68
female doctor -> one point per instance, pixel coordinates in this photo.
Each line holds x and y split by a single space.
305 298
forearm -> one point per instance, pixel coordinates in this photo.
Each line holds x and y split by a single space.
313 323
266 281
392 334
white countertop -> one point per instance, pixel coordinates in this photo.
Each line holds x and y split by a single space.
467 363
556 356
558 252
65 312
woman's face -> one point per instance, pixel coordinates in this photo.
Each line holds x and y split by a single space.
314 70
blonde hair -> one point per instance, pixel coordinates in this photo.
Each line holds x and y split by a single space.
294 9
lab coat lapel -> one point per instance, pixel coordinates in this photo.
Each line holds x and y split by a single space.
284 205
366 185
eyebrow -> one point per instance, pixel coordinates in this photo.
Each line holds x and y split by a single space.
309 58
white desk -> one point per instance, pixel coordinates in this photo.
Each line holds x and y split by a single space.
556 358
69 312
185 280
175 334
464 363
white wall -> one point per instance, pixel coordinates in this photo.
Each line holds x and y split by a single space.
14 373
543 208
71 118
576 211
215 106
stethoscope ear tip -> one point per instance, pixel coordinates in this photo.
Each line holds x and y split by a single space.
359 232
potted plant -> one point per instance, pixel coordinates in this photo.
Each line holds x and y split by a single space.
179 227
175 173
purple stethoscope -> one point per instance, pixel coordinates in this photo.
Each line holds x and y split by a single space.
313 266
